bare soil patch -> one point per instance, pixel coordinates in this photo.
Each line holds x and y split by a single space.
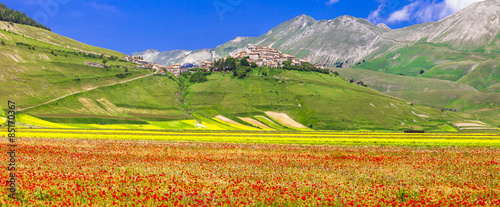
285 120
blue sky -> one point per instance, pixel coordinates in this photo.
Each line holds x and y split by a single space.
132 25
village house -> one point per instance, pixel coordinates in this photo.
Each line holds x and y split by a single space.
175 69
127 58
241 55
207 65
160 72
254 56
265 55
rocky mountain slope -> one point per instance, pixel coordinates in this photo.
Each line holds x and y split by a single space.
473 28
324 42
351 39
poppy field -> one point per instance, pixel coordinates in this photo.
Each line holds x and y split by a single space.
117 172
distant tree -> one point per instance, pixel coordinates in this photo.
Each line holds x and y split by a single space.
244 62
199 77
253 65
231 64
339 64
104 61
241 74
422 72
11 15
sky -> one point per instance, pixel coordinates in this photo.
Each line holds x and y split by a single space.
131 26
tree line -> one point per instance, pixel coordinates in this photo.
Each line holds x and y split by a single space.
18 17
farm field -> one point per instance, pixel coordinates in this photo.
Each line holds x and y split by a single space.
269 137
173 172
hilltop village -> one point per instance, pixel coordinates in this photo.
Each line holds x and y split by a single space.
260 55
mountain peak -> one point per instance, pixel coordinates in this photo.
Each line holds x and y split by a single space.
152 51
304 18
383 26
346 17
470 27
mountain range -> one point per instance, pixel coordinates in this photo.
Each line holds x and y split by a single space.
351 39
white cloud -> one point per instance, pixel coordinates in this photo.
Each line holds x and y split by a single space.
418 11
104 7
332 2
375 15
403 14
455 5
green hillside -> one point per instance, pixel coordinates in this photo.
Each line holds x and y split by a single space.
432 92
39 66
318 101
430 60
437 75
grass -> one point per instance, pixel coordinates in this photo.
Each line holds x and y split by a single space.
55 39
176 125
270 123
148 96
427 91
318 101
32 77
27 119
438 62
424 56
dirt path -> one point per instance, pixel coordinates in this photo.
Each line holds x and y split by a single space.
86 90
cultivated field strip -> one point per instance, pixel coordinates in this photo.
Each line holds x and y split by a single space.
314 138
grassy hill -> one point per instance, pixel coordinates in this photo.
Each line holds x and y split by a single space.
54 39
437 75
317 101
430 60
432 92
39 66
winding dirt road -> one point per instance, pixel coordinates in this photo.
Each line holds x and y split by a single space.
89 89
